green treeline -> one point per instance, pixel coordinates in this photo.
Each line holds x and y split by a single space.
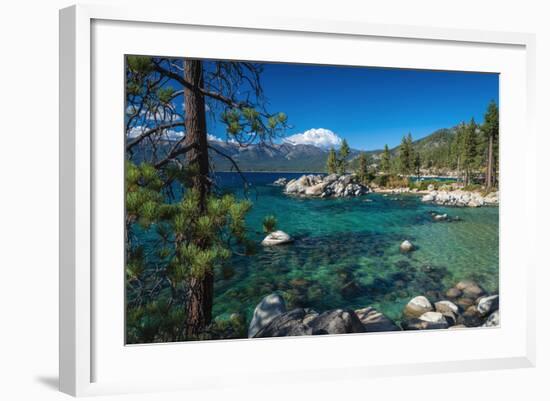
470 151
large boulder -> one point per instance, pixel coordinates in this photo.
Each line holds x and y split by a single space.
374 321
268 309
417 307
277 238
487 305
286 324
336 321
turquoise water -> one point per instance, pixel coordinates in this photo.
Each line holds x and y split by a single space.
346 251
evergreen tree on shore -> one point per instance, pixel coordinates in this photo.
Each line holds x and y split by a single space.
406 157
385 160
470 150
490 130
332 162
343 153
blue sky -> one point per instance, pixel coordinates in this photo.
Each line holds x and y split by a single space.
373 106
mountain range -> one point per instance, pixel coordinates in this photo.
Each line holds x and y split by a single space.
287 157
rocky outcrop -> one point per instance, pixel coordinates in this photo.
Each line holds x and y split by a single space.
268 309
461 198
333 185
277 238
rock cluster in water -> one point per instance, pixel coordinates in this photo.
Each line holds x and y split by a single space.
464 305
333 185
461 198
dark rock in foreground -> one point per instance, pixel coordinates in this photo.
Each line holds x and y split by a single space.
268 309
271 319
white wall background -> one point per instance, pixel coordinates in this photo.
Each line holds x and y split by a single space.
29 197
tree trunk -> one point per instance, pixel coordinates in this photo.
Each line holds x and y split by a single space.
489 173
200 292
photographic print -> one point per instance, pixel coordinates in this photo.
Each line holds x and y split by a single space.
276 199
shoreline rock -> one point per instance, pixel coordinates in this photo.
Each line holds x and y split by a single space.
461 198
330 186
271 319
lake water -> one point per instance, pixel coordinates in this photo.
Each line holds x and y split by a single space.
346 251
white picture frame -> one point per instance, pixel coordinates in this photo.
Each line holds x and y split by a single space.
81 346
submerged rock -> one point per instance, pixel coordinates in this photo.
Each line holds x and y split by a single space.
374 321
440 217
406 246
417 307
277 238
453 293
268 309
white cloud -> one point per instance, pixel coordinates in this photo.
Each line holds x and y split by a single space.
173 135
320 137
211 137
136 131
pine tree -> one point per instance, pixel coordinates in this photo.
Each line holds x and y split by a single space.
470 150
385 160
363 169
406 155
417 164
332 162
490 129
195 229
343 153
